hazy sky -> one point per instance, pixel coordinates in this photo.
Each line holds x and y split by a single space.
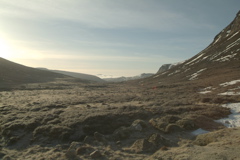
109 37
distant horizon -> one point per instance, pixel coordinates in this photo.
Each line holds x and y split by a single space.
112 38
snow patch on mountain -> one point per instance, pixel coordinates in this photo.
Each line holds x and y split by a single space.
191 62
226 58
233 35
229 83
166 67
230 93
194 76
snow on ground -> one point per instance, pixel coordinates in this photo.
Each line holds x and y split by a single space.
177 71
233 35
219 37
195 75
195 59
233 120
204 92
226 58
156 76
229 83
233 44
229 93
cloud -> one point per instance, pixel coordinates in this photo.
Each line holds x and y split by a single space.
99 14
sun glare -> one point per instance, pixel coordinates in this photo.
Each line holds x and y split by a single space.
5 50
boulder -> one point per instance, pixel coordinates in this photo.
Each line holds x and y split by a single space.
187 124
171 128
138 125
143 146
158 124
121 133
158 140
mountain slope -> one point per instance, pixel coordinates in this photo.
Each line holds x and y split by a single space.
166 67
218 63
12 74
77 75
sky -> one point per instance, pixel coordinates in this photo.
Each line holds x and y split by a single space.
109 38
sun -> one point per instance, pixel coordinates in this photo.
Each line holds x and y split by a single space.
5 50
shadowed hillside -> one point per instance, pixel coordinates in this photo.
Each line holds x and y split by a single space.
13 74
77 75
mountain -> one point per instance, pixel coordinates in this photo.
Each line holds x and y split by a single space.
77 75
122 79
218 63
13 74
166 67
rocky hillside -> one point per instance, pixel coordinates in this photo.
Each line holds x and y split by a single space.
217 64
166 67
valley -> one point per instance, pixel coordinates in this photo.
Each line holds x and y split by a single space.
72 120
180 113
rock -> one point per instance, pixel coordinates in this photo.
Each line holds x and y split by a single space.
187 124
173 128
158 140
143 146
170 119
164 68
84 150
158 124
122 133
96 154
139 125
227 122
136 127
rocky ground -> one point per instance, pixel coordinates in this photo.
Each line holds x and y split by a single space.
71 120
